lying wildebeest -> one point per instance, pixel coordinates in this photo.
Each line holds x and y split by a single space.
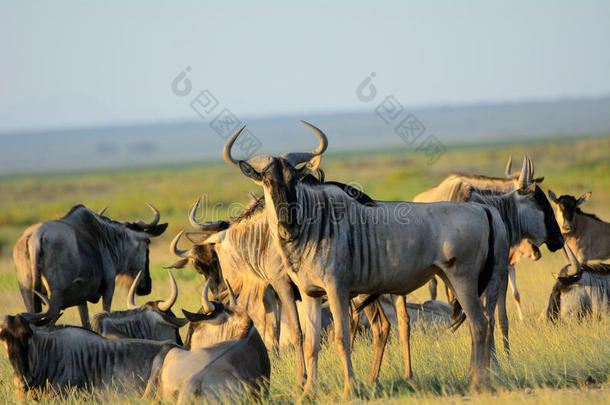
67 357
227 357
76 259
153 320
586 234
332 245
580 290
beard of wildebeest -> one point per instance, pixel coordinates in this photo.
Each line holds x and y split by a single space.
554 239
126 279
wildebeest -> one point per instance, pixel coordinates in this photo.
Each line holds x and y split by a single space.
525 249
76 259
332 245
227 356
581 290
586 234
67 357
153 320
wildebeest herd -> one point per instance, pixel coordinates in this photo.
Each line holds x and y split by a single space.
307 254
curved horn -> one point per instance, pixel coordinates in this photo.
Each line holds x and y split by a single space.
523 176
208 307
209 226
154 222
300 157
531 171
102 211
131 296
572 260
174 246
226 152
509 165
233 297
37 316
166 305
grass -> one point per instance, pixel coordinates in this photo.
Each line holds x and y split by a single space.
563 364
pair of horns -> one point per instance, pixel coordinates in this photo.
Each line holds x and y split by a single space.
526 177
294 158
208 306
571 259
163 306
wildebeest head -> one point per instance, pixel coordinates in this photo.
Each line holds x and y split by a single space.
279 177
567 207
139 259
153 320
515 176
567 278
535 209
216 322
529 250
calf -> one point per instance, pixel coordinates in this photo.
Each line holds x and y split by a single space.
153 320
227 356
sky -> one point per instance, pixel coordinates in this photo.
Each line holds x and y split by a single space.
70 64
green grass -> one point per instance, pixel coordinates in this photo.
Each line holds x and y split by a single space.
549 364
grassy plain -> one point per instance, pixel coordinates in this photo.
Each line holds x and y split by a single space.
567 364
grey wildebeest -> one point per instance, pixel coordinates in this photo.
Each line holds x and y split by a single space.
226 357
586 234
245 244
153 320
64 357
581 292
332 245
76 259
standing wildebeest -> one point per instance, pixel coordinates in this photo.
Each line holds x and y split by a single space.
76 259
586 234
458 187
583 291
153 320
227 356
67 357
331 244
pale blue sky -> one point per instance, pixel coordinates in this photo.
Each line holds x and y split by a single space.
70 64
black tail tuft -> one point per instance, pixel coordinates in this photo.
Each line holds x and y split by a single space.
457 316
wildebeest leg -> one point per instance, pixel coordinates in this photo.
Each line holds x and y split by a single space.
502 315
84 315
354 321
465 289
272 325
286 296
512 276
380 326
404 329
313 325
338 299
432 286
107 295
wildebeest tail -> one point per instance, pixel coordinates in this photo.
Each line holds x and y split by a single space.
458 316
35 252
366 302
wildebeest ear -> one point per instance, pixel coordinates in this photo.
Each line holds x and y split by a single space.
180 264
249 171
177 322
552 196
314 162
192 317
555 275
539 180
48 321
157 229
584 198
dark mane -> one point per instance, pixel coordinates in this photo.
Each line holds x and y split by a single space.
586 214
598 268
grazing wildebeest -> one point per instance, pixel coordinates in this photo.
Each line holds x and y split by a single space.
331 244
153 320
76 259
583 291
227 357
67 357
586 234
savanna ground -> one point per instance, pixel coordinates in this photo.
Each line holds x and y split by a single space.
567 364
